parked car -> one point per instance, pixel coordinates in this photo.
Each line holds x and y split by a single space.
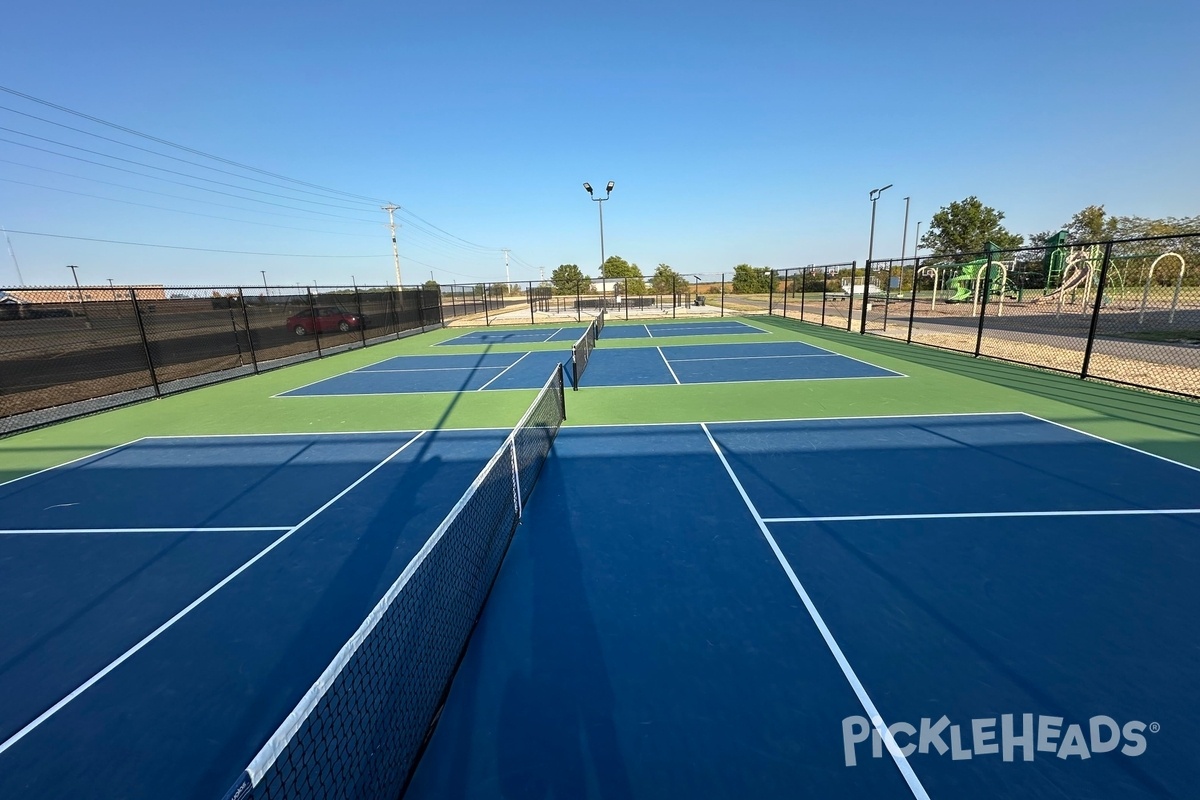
326 320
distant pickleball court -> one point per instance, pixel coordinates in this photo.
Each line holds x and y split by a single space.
614 330
607 367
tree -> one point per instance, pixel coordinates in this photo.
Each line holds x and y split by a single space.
751 280
569 279
431 285
667 280
617 267
964 227
1091 225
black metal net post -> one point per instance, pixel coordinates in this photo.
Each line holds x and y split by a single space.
850 299
912 302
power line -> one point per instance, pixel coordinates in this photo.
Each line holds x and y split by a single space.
181 211
178 183
168 194
161 155
194 249
170 171
184 147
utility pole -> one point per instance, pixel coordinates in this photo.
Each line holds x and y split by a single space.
904 239
266 291
79 293
391 209
507 279
20 280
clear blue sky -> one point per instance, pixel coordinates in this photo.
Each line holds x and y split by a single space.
736 132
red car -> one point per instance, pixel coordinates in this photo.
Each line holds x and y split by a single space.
327 320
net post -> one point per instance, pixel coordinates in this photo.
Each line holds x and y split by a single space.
516 483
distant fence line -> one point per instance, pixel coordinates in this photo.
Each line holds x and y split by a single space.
1123 311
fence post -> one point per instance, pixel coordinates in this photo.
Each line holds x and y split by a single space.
627 299
722 294
249 337
824 292
803 290
362 321
912 303
674 297
487 290
579 303
137 313
785 277
1102 282
986 289
887 291
862 328
312 310
770 292
850 302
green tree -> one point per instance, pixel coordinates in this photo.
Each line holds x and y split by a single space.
665 280
751 280
1092 224
569 279
617 267
431 285
965 226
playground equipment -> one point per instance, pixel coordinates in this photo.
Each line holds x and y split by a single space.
936 273
970 280
1178 286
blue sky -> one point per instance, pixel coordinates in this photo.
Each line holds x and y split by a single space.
748 132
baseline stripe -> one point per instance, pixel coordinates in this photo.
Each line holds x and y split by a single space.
1114 512
881 728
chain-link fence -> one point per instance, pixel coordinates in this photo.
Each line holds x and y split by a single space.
1123 311
67 351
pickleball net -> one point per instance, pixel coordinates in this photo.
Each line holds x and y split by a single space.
581 351
361 727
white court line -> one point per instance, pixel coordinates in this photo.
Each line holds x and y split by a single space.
751 358
881 728
647 329
1110 441
409 432
506 369
551 336
72 461
1114 512
668 363
431 369
83 687
139 530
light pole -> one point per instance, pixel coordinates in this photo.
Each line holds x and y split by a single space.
871 243
266 291
904 237
607 191
79 293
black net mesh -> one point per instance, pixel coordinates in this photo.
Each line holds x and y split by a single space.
581 351
359 730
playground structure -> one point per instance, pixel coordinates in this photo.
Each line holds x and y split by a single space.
1071 278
